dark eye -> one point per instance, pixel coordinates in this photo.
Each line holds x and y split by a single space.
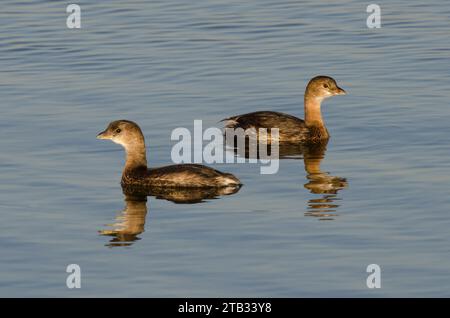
325 85
118 130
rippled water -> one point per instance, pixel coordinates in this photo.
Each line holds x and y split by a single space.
380 194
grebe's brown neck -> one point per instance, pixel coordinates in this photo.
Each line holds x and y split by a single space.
313 114
136 157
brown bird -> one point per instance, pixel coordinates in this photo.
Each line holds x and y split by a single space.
129 135
293 129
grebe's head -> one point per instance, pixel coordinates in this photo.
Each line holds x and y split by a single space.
323 87
123 132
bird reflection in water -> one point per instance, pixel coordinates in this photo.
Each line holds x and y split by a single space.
322 183
319 182
131 221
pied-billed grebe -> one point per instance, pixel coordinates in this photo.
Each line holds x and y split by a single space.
129 135
293 129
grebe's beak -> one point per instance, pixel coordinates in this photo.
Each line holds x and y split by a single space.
103 135
340 91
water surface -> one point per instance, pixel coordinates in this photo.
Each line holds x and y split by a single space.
165 64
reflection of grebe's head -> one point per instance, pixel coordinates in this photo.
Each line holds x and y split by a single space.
323 87
323 183
123 132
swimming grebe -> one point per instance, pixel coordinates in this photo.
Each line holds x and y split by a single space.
293 129
129 135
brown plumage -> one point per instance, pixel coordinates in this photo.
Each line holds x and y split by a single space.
180 175
129 135
293 129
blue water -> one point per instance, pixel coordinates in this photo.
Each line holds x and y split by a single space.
166 63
